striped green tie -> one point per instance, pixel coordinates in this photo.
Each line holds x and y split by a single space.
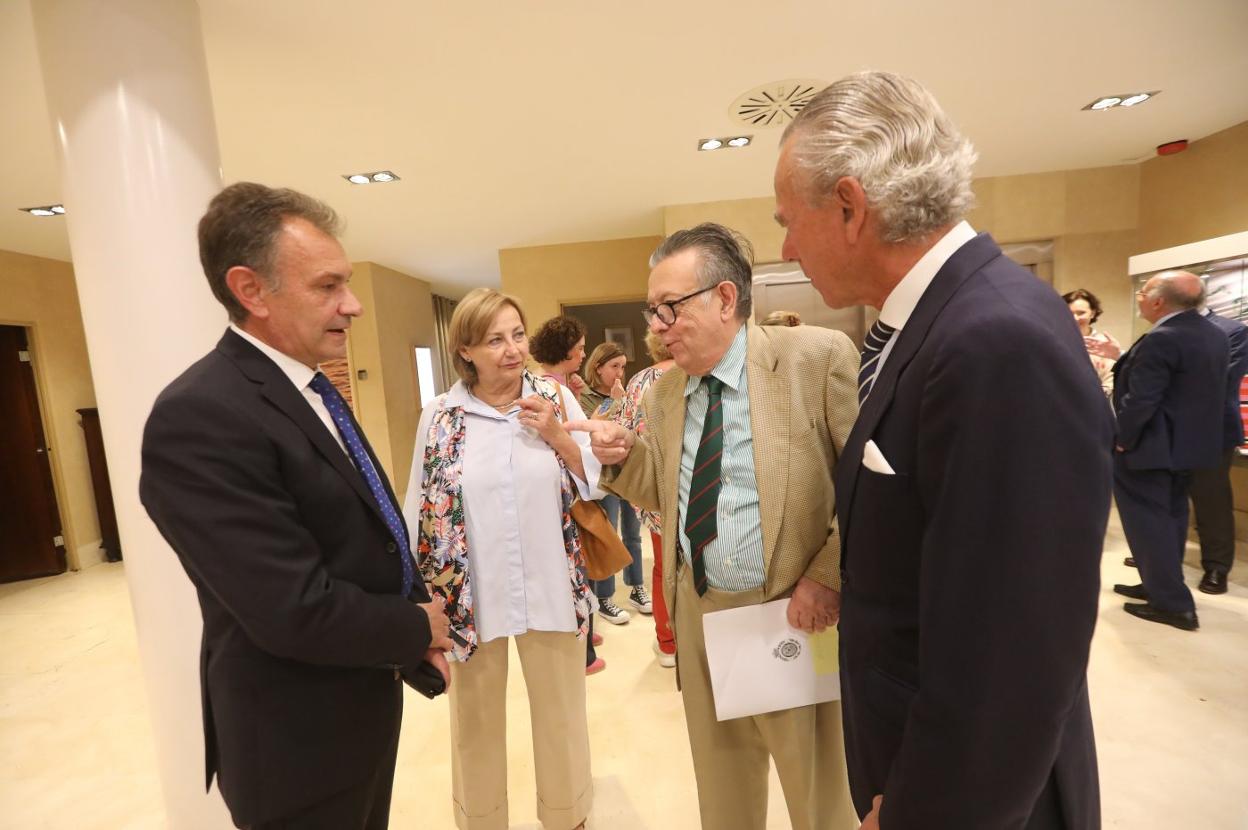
704 490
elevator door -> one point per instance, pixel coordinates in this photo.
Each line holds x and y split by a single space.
30 524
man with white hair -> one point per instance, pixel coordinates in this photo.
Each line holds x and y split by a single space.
973 492
1169 391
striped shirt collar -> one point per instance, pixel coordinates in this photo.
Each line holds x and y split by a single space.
731 367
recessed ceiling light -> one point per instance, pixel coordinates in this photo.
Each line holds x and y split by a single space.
739 141
710 144
379 176
45 210
1127 99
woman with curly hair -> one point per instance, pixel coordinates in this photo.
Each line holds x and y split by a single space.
559 346
1103 349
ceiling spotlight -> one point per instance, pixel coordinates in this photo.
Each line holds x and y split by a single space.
1127 99
739 141
45 210
379 176
710 144
384 176
358 178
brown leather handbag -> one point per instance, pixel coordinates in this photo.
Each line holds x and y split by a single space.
601 546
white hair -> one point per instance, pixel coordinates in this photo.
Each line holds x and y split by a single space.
889 133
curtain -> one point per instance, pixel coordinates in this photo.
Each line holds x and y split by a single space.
443 307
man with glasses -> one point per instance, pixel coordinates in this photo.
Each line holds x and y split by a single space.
740 442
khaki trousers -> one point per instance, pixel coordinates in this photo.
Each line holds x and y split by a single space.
730 758
554 675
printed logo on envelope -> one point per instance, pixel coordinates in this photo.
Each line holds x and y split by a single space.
787 650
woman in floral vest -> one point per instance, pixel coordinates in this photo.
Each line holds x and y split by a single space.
493 477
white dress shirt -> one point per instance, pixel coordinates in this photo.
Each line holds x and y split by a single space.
513 515
300 376
907 293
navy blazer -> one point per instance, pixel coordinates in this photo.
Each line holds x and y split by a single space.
1237 334
1170 391
971 575
298 580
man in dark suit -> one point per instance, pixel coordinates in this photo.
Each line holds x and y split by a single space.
973 492
1212 502
1170 391
263 484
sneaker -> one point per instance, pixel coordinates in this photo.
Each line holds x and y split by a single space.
612 613
639 598
667 661
595 667
597 638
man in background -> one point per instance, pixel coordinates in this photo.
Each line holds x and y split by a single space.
1170 393
1212 501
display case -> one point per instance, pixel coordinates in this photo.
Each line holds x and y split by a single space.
1223 263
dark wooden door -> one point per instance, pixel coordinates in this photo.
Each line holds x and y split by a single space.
30 525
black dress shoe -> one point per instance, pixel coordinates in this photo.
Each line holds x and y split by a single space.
1129 561
1213 583
1133 591
1185 620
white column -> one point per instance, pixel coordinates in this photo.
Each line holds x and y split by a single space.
127 87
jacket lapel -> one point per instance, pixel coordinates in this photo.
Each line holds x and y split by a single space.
770 405
968 259
279 391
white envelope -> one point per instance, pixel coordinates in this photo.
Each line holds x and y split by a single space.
875 461
759 664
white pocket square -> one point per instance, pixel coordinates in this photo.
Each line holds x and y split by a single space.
875 461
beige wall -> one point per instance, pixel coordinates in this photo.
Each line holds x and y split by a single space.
41 294
545 276
398 317
1198 194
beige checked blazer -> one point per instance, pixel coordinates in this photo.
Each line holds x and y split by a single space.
803 400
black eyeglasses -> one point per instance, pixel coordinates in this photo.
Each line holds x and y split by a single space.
665 313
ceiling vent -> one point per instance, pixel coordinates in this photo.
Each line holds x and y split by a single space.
775 104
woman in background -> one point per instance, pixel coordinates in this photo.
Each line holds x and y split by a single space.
1103 349
603 397
493 477
632 415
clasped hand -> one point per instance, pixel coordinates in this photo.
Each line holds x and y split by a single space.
609 441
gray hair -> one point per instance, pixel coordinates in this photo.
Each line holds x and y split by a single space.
1181 290
890 134
723 256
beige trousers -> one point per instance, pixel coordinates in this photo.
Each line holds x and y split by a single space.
730 758
554 675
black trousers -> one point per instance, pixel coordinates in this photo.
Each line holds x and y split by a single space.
364 806
1153 507
1214 510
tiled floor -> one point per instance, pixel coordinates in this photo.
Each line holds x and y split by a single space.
1171 711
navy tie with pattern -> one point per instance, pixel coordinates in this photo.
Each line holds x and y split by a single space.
872 346
355 448
700 514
